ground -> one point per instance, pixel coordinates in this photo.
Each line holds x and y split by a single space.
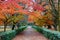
30 34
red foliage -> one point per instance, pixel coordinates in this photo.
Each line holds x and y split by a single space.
11 5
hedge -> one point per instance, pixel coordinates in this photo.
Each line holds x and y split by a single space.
52 35
8 35
20 29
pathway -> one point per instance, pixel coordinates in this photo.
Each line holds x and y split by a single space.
30 34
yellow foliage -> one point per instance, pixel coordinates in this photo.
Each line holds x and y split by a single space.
46 19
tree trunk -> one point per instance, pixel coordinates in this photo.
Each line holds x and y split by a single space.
59 14
13 27
5 27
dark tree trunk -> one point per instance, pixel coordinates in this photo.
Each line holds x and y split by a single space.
13 27
5 27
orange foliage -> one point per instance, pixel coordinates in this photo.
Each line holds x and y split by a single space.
11 6
2 16
50 22
1 22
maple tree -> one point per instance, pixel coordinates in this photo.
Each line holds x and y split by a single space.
33 8
4 18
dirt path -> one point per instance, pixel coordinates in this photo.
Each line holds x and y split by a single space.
30 34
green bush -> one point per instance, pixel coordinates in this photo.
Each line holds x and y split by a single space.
52 35
20 29
8 35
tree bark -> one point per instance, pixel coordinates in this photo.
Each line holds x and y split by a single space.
59 14
13 27
5 27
